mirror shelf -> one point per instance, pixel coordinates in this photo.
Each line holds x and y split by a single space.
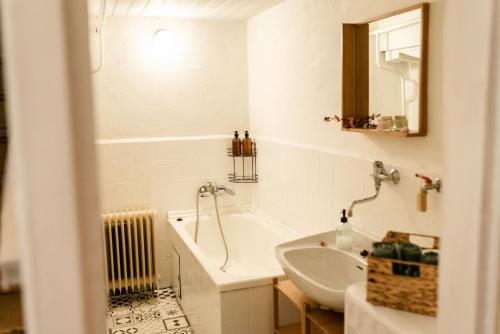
376 132
384 73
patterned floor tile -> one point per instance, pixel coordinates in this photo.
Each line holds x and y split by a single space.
176 323
147 314
118 301
124 320
120 311
181 331
168 313
165 294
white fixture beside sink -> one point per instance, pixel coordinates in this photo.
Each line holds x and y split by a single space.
322 271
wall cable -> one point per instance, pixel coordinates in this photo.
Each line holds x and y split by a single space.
99 31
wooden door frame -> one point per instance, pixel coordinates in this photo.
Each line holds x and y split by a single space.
50 111
470 258
488 311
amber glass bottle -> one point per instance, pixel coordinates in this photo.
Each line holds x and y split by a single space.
236 144
247 145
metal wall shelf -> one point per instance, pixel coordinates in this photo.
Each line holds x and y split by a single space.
244 170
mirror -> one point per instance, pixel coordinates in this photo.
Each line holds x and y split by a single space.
384 74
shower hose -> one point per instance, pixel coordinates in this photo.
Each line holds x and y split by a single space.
219 224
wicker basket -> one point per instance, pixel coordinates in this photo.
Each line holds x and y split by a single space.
412 294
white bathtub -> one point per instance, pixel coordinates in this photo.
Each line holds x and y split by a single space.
239 299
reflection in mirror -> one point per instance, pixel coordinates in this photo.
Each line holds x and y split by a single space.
394 70
384 74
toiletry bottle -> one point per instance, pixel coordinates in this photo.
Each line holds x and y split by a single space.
236 145
247 145
344 233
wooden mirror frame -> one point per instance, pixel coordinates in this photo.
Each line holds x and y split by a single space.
355 67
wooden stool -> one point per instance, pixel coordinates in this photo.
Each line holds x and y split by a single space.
323 321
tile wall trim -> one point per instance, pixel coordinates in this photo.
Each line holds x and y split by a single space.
324 149
159 139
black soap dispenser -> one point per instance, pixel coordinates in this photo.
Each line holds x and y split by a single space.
343 239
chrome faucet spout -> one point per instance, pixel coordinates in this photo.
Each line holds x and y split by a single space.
363 200
379 175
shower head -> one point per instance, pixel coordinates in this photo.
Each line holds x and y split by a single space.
225 190
230 192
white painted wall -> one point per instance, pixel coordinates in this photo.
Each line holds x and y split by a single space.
203 92
309 169
163 127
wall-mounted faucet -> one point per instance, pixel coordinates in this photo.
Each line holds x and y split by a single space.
379 174
429 184
214 189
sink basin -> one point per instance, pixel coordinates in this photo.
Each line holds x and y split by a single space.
323 272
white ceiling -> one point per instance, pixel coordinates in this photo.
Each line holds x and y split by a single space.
209 9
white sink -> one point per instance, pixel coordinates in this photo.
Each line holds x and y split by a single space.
323 273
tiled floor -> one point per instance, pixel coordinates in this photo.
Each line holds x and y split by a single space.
146 314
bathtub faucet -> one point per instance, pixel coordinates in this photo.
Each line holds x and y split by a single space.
214 189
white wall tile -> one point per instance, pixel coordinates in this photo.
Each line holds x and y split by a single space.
235 304
123 172
261 300
124 194
122 152
235 325
172 174
261 324
105 154
316 185
164 176
107 196
106 175
145 152
148 171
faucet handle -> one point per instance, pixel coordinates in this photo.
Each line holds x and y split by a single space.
395 176
203 191
429 184
379 174
426 179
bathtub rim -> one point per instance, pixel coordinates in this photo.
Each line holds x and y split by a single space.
226 281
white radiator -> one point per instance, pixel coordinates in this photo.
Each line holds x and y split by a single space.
129 245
